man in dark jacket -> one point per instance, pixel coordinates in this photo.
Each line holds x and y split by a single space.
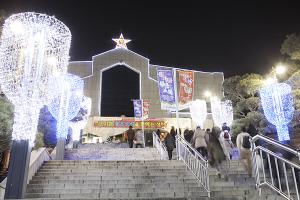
130 136
170 144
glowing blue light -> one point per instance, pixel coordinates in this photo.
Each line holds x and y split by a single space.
67 103
277 102
34 47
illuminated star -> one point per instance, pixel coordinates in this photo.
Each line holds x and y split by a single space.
121 42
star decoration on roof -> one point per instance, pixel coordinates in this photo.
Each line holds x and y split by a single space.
121 42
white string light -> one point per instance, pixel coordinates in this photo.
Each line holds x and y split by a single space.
222 112
277 103
198 110
77 126
28 40
66 105
121 42
227 112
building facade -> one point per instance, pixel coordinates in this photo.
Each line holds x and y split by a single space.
92 72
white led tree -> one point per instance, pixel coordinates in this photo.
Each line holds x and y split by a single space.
65 107
222 112
79 122
198 110
34 48
277 103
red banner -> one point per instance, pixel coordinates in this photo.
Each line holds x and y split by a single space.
186 86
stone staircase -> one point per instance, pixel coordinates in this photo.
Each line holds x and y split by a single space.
106 172
111 152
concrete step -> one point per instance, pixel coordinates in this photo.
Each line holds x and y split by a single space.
136 181
103 185
171 194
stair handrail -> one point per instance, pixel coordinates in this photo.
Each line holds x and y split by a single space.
160 146
275 160
194 161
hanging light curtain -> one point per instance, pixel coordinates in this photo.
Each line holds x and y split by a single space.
198 110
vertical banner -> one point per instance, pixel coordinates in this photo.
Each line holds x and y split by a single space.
166 88
146 106
186 87
137 106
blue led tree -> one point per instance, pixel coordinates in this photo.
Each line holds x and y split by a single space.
65 107
277 103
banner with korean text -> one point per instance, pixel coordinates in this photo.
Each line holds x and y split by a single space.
137 106
146 107
186 88
166 88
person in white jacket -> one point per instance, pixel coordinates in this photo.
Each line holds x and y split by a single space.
200 142
244 146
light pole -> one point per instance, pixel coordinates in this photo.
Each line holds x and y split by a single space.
279 69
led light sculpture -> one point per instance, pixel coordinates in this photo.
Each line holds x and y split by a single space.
34 48
65 107
77 126
222 112
227 112
198 110
277 103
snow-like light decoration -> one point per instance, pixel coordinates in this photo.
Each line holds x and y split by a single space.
77 126
222 112
121 42
66 105
34 48
227 112
277 103
198 110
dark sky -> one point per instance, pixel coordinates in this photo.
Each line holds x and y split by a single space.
230 36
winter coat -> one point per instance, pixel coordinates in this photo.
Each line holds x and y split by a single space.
239 140
199 138
139 137
227 146
170 142
130 134
215 149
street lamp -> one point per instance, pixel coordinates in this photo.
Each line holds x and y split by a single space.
207 93
279 69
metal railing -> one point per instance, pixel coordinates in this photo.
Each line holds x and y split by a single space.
278 168
160 146
194 161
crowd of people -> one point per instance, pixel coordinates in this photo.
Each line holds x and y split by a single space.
215 145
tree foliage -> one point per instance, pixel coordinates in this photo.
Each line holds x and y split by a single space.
47 126
291 46
243 91
6 119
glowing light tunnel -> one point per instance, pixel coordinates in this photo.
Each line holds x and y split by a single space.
277 103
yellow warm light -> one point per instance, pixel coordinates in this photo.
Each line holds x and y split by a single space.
280 69
207 93
270 81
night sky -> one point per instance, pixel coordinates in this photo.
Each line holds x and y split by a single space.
230 36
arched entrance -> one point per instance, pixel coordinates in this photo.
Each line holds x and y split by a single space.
120 84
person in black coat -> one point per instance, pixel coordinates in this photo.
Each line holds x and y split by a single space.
158 133
170 144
